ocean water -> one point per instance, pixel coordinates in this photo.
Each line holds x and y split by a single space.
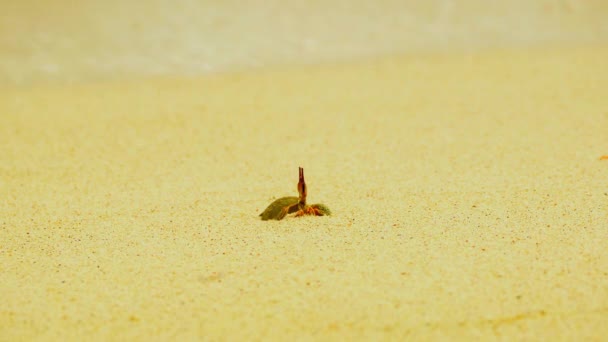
64 41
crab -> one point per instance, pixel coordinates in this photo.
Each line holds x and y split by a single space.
283 206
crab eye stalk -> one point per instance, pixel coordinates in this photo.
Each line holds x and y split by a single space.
302 187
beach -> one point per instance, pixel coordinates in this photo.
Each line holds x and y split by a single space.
468 195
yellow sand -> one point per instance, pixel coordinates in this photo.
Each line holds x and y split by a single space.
468 194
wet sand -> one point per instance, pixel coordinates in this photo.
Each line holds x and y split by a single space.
73 42
468 194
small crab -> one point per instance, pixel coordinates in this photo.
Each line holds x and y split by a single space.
278 209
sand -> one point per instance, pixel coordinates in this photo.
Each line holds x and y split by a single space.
468 194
